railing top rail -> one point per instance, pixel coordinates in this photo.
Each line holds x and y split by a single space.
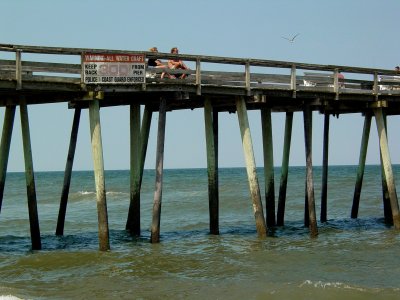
202 58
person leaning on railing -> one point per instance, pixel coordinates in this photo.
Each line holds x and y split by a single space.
177 64
156 63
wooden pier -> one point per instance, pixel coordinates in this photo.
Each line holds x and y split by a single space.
264 85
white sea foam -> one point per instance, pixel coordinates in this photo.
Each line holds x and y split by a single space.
86 193
9 297
324 285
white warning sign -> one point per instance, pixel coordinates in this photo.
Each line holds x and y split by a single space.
113 68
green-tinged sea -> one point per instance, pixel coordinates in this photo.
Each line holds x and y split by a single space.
350 258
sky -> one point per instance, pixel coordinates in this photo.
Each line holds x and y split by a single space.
362 33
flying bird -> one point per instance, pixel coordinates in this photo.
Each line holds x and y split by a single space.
291 39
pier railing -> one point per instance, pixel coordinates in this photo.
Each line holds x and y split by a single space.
256 74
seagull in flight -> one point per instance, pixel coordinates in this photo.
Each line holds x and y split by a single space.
291 39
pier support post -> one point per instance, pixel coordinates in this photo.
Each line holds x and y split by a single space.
307 114
68 172
387 210
8 125
387 165
30 179
133 221
211 130
361 165
144 138
155 225
251 166
284 169
325 157
268 166
97 152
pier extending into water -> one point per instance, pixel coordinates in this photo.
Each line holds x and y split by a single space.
264 85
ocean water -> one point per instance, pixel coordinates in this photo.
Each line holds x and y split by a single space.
350 258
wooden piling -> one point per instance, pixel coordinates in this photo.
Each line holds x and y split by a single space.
144 138
307 114
387 165
30 179
68 172
268 166
284 169
216 177
155 225
212 171
306 210
251 166
97 152
325 157
361 165
8 125
133 221
387 210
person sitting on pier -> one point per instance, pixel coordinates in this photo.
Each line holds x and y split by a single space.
156 63
177 64
341 79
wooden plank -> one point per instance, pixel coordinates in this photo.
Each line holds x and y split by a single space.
251 166
284 169
361 165
51 79
68 172
133 221
212 170
155 225
30 180
97 153
268 166
33 66
307 115
8 125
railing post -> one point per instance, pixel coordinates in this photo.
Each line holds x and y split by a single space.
247 78
198 76
18 69
336 83
293 80
375 92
